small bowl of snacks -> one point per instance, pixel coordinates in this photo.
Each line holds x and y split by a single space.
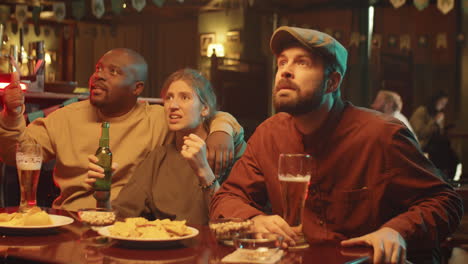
255 246
96 217
225 229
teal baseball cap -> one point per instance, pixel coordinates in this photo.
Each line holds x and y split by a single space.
312 40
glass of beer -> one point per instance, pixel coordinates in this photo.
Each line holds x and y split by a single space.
28 163
294 172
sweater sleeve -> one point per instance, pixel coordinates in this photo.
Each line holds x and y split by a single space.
225 122
244 193
431 208
13 130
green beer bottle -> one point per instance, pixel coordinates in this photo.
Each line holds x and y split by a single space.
104 155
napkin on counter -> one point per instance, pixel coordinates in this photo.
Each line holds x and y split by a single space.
260 255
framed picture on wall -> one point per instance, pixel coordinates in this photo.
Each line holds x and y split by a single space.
205 40
233 46
233 36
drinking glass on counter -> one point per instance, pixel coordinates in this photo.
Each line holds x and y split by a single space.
28 164
294 172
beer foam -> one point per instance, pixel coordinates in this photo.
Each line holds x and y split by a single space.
28 165
28 162
292 178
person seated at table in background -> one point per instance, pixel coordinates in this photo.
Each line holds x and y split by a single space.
371 184
428 122
71 133
175 180
390 103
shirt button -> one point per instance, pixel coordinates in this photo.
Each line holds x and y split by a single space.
321 222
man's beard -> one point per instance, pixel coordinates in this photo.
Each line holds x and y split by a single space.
96 103
300 105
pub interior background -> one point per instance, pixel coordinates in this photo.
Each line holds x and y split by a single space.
414 51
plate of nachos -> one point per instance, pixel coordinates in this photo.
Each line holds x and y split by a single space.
139 229
34 219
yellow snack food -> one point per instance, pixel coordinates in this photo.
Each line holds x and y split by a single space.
138 227
34 217
37 219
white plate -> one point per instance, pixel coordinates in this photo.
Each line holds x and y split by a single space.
105 232
57 221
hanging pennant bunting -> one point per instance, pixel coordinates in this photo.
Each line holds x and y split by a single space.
441 41
138 4
421 4
445 5
37 30
36 13
21 14
117 6
405 42
354 39
159 3
78 9
397 3
4 13
59 10
377 41
98 8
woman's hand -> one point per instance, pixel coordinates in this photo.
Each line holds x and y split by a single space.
194 151
96 171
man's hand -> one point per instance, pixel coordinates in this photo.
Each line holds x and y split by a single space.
389 246
220 151
275 224
96 171
13 97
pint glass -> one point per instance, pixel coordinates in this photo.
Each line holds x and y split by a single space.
28 163
294 172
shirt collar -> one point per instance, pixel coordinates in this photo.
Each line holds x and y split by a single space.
315 142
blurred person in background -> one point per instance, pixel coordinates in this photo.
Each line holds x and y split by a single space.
390 103
429 125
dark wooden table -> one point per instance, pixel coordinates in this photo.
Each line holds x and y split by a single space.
76 243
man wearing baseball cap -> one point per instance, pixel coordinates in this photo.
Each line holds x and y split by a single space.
371 184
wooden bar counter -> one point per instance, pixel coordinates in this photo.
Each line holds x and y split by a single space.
76 243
